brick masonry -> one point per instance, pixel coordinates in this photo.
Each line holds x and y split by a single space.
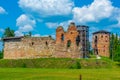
101 43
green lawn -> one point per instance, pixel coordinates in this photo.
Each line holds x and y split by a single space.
58 74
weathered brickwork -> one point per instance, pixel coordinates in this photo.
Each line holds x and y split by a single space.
28 47
101 43
66 42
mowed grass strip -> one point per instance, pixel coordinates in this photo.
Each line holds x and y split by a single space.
58 74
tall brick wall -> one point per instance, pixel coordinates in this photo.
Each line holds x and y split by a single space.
101 44
62 40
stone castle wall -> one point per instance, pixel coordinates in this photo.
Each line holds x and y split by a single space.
29 48
38 48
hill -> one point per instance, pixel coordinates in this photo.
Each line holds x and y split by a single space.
63 63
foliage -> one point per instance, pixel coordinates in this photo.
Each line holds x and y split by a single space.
28 35
76 66
8 33
115 47
1 54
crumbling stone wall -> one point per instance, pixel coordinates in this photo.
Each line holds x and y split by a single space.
29 48
66 42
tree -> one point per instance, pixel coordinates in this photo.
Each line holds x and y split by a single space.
115 47
8 33
1 54
29 34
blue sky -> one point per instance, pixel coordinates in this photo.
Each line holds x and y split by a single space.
42 17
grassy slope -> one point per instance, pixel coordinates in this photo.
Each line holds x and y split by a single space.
57 63
58 74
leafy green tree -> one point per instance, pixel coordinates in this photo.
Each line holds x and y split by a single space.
1 54
115 47
29 34
8 33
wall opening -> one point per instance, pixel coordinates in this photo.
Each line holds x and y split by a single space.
95 39
68 43
62 37
32 43
46 43
101 36
77 40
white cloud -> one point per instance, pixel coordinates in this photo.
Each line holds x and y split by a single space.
117 17
25 24
94 12
2 10
52 25
36 35
47 7
18 33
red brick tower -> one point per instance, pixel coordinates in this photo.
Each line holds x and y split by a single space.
101 43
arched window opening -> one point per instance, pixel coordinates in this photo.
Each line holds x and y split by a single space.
68 43
77 40
62 37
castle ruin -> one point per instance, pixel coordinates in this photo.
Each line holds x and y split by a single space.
69 44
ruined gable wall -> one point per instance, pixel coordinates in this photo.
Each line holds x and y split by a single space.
61 45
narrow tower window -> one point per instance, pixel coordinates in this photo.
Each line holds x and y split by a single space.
68 43
62 37
77 40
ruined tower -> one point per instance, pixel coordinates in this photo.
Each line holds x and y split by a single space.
84 39
75 39
101 43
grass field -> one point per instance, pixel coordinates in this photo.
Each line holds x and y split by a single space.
58 74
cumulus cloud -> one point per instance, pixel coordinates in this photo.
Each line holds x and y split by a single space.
2 10
36 35
64 24
94 12
18 33
25 24
47 7
51 25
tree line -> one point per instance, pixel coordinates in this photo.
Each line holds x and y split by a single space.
115 47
